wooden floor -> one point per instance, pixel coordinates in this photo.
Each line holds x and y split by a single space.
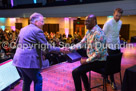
59 78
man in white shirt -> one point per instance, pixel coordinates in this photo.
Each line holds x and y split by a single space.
111 29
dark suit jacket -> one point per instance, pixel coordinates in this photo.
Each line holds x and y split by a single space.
28 53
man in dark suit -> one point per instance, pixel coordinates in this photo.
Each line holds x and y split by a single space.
28 56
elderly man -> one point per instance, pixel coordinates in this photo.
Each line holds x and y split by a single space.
28 56
95 40
112 28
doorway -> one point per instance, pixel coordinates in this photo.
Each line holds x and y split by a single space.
79 27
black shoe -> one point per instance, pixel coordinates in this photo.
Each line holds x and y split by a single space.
88 88
113 85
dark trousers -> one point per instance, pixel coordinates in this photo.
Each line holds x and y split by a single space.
80 73
112 52
30 75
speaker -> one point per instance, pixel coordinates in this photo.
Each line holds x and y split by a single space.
73 56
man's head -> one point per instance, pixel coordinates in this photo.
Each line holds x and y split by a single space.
37 19
90 21
117 14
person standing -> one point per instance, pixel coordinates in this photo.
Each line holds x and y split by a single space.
112 29
94 39
28 56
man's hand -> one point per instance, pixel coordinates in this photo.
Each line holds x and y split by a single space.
83 61
64 50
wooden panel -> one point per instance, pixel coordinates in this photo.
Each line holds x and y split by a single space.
124 32
51 28
45 28
18 25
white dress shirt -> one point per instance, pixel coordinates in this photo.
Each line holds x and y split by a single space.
111 29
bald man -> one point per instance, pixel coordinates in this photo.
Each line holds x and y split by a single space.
94 39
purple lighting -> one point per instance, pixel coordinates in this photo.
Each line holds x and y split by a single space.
12 4
66 32
13 28
66 20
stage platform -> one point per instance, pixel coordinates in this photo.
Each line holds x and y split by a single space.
59 77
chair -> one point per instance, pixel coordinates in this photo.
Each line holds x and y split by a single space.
112 66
